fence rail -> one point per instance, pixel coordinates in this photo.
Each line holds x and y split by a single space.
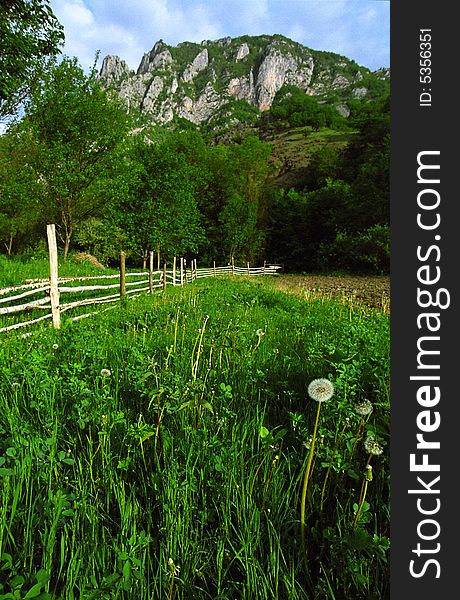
179 274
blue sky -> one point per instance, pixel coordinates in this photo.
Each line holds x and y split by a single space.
358 29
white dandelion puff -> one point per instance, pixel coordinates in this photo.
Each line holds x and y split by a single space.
364 408
106 372
321 390
372 446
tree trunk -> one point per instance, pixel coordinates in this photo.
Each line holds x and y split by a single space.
9 246
68 230
66 246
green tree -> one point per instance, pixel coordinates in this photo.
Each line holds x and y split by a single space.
29 33
243 216
78 130
159 210
19 190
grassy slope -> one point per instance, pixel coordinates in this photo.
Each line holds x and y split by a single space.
103 479
292 152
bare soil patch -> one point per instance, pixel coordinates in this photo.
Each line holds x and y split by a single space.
370 291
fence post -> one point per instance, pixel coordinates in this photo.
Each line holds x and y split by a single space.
214 268
158 260
174 271
185 271
233 266
54 290
151 272
264 266
122 274
249 270
194 277
164 276
182 271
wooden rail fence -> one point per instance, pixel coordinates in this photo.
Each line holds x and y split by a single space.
127 285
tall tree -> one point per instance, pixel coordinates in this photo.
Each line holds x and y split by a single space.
159 211
243 214
19 190
29 33
78 130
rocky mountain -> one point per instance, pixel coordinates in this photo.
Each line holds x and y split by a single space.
198 82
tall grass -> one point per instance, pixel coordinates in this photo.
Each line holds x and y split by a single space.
13 270
158 451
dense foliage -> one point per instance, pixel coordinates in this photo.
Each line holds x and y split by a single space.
29 33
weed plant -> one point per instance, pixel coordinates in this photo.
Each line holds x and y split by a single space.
158 450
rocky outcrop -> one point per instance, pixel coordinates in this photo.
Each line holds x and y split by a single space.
113 70
276 70
243 51
158 57
199 63
195 81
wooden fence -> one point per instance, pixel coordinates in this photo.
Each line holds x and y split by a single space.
127 284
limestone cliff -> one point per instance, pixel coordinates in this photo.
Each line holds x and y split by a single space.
196 81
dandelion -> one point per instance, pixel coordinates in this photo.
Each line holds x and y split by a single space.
106 372
320 390
55 346
174 569
260 333
372 446
364 408
15 385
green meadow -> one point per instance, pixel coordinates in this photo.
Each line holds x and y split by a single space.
159 450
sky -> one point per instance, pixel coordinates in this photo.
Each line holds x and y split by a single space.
357 29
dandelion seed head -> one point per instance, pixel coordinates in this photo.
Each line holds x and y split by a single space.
260 333
55 346
15 385
364 408
321 390
372 446
106 372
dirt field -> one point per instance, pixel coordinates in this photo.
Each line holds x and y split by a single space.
373 291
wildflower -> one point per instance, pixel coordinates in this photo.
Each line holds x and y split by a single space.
55 346
320 390
106 372
260 333
174 570
364 408
372 446
15 385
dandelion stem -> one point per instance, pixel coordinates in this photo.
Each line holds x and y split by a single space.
307 477
362 494
361 504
